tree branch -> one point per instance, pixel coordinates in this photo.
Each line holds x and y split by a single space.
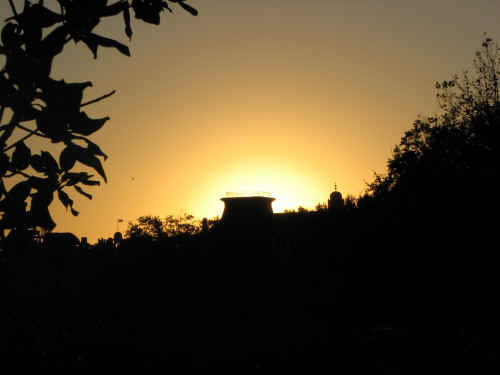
19 141
34 132
98 99
19 172
13 9
62 185
9 129
31 133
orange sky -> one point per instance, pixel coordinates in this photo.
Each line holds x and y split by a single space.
283 96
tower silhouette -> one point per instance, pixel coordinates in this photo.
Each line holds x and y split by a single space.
247 209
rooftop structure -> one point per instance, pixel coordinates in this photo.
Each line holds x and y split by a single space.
247 193
244 208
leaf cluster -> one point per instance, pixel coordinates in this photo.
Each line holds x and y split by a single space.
34 103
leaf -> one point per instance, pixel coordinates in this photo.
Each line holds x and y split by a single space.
126 20
45 163
80 177
14 215
43 16
53 43
39 213
51 163
21 156
98 40
95 149
164 5
65 199
32 20
38 164
74 212
91 161
54 124
82 192
114 9
85 156
91 183
67 159
20 191
82 16
188 8
92 44
65 97
84 125
148 12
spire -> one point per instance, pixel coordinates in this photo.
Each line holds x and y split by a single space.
336 201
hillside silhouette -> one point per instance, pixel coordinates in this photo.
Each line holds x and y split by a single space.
398 280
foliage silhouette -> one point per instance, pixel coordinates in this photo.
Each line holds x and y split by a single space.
457 148
431 212
40 106
154 228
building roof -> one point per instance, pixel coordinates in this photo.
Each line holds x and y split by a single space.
247 198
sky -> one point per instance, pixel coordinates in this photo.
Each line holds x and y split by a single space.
288 97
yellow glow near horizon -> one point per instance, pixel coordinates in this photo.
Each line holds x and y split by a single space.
290 187
233 99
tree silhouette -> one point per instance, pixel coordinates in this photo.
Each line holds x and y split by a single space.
33 102
432 210
321 207
146 227
458 148
154 228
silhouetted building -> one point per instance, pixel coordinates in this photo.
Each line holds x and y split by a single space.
247 209
335 202
248 222
117 238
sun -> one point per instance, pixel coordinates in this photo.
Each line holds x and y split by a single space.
290 186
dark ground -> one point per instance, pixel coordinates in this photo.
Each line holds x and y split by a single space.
338 300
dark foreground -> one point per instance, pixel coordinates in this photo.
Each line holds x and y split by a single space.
342 302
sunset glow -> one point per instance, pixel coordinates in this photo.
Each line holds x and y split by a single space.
283 97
